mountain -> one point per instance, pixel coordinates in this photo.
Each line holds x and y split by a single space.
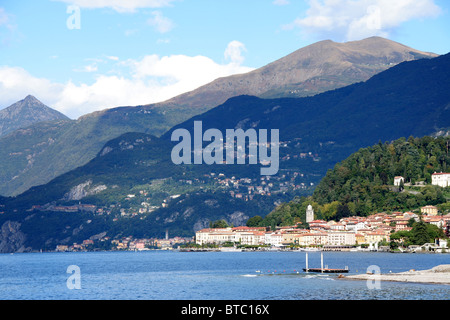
135 170
115 181
35 156
408 99
25 113
316 68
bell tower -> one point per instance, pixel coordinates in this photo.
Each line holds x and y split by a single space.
309 214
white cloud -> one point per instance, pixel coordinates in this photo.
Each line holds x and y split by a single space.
161 23
88 68
233 52
16 83
354 20
119 5
147 80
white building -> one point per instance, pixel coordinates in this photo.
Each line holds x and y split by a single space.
440 179
217 236
252 238
341 238
355 226
312 239
273 239
398 180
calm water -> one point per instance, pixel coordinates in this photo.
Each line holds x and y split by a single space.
210 276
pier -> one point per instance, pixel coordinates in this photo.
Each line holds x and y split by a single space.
322 269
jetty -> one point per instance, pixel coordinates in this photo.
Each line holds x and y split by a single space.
323 269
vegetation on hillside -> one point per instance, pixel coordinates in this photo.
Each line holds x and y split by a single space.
363 183
420 234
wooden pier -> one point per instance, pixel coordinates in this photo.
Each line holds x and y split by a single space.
322 269
325 270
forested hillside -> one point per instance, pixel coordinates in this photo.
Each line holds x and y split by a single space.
363 183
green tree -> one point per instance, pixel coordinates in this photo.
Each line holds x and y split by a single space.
401 187
419 233
219 224
254 221
342 211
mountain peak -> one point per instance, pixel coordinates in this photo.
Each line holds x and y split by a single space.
316 68
25 113
31 98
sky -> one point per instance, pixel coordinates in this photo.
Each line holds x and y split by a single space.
80 56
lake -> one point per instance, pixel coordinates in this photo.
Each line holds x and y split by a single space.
166 275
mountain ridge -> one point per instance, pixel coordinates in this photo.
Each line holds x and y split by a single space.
382 53
316 133
32 159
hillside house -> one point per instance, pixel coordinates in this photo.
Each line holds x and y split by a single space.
440 179
398 180
429 210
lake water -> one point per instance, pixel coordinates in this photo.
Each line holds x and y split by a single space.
165 275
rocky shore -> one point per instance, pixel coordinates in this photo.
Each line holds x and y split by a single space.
437 275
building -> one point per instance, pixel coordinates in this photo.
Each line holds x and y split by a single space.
341 238
429 210
360 238
318 225
312 239
217 236
376 236
253 238
273 239
440 179
438 221
398 180
402 225
291 236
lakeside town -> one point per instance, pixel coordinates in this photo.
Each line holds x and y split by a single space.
365 233
370 233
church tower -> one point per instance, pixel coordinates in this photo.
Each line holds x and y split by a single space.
309 214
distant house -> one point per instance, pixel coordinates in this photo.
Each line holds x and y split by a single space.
429 210
398 180
441 179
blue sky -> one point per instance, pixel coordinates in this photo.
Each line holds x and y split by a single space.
79 56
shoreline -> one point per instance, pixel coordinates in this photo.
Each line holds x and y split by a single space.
226 249
436 275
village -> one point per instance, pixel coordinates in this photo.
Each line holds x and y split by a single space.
370 233
350 233
141 201
104 243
